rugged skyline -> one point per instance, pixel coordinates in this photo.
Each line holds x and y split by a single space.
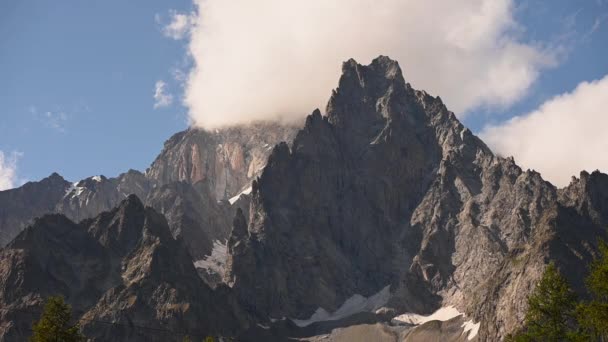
144 74
322 170
280 232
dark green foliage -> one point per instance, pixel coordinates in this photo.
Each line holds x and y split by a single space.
54 325
593 315
551 312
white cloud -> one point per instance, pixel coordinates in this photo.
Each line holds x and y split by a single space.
178 75
56 119
161 97
179 26
596 25
8 169
563 136
268 58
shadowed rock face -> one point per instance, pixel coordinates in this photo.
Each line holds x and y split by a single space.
195 170
19 206
80 200
334 206
89 197
390 188
193 214
122 266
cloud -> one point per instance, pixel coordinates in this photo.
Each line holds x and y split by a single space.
56 119
178 27
596 25
161 97
270 58
8 170
565 135
178 75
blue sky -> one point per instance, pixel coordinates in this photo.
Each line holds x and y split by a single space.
79 77
92 65
582 28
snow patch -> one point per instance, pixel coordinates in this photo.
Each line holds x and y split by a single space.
216 262
78 191
70 189
472 329
355 304
96 178
443 314
236 198
74 190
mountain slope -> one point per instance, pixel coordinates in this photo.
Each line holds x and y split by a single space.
19 206
383 215
123 267
195 170
227 159
390 189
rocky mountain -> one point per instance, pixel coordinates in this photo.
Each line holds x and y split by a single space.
195 170
390 189
89 197
19 206
122 267
227 159
382 219
80 200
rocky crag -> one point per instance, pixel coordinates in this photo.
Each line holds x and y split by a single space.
389 188
195 182
384 217
124 274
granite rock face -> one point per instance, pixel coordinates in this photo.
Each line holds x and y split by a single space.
193 215
188 183
18 207
93 195
333 207
122 267
227 159
389 188
77 201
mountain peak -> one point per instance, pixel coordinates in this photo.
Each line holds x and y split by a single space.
381 67
389 67
371 100
54 178
55 175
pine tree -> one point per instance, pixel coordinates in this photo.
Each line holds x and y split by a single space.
551 312
54 325
593 315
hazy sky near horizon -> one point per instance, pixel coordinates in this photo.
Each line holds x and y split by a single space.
96 87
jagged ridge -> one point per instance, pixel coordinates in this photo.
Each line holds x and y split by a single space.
121 267
390 188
